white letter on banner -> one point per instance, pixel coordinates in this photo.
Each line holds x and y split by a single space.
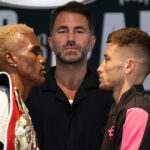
112 22
144 22
9 16
53 59
42 37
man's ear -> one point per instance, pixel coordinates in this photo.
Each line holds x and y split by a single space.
130 65
50 42
92 42
9 59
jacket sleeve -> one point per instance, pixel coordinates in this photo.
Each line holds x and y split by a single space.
134 129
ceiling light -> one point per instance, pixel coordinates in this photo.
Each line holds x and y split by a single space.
38 4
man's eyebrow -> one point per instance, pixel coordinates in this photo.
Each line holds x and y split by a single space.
79 27
35 47
61 27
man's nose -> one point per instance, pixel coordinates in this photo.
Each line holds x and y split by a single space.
100 68
42 59
71 36
71 42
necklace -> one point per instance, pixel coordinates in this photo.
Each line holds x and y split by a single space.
71 101
69 93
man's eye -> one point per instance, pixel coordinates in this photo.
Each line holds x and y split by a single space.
79 31
107 59
62 31
36 52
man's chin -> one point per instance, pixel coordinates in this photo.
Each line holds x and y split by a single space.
105 88
40 82
71 60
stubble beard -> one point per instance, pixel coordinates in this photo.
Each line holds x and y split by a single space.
70 57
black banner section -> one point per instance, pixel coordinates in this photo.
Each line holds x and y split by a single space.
108 16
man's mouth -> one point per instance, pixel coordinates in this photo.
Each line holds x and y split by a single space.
100 78
43 70
71 48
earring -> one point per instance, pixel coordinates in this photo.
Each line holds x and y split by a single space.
15 65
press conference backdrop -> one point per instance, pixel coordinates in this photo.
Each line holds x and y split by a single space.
109 15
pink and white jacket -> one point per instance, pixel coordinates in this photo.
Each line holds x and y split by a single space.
128 125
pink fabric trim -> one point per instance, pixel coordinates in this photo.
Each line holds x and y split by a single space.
133 129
